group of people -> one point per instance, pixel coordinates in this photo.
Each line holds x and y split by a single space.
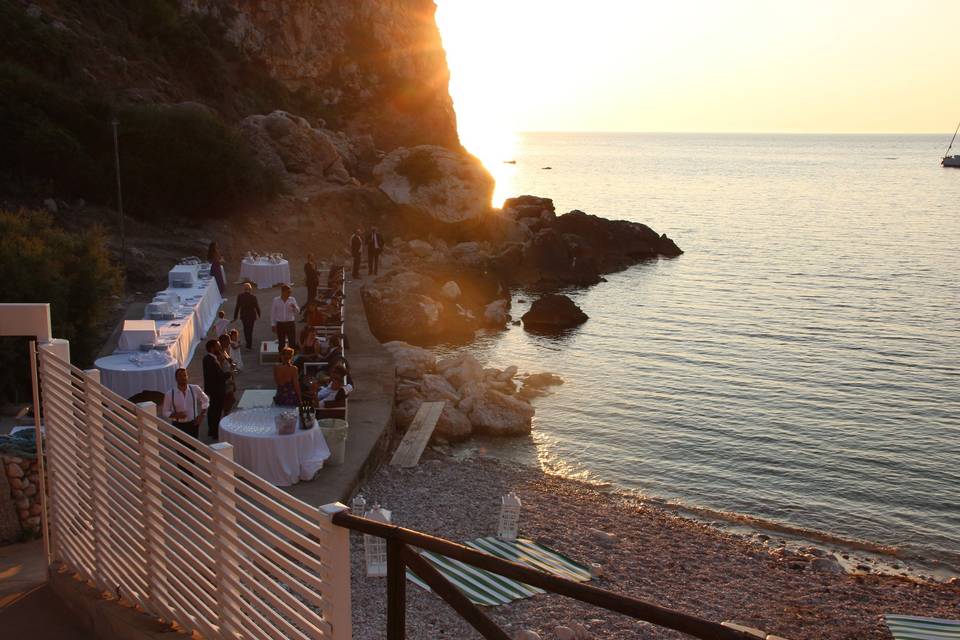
187 405
372 241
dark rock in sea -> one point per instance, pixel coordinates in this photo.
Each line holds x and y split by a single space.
553 312
528 206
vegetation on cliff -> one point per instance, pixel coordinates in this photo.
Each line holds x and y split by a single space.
40 262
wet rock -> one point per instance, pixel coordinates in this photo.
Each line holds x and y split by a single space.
826 565
553 312
499 414
496 313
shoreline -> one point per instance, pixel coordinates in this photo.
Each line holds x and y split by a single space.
655 554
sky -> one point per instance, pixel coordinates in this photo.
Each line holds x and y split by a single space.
702 65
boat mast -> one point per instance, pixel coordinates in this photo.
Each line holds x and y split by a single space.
950 146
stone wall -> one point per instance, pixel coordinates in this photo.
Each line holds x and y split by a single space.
22 477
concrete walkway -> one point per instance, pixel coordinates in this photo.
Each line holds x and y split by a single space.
28 606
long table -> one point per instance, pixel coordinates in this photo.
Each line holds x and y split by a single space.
198 311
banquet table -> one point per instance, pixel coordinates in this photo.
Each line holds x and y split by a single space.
282 460
135 333
264 273
198 310
127 374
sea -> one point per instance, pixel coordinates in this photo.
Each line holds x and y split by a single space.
796 369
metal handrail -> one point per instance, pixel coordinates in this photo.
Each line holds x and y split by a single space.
400 556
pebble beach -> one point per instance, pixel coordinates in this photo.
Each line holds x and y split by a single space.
644 550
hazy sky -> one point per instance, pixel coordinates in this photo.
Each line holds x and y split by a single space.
702 65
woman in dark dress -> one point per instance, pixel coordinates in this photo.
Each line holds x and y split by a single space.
216 266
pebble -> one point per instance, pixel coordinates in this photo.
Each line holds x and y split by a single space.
564 633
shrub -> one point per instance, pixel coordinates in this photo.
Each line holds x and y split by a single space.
420 168
186 160
40 262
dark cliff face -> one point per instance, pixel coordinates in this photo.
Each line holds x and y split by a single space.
369 66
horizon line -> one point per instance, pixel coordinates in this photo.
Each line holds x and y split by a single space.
748 133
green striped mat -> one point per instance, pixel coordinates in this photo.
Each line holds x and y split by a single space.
490 589
917 628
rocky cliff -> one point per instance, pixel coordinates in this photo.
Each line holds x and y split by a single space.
373 66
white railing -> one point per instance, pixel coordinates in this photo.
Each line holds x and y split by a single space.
178 528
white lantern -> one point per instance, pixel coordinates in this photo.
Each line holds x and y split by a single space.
375 547
359 505
509 517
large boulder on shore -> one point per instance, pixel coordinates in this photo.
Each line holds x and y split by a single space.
453 425
448 186
394 314
553 312
498 414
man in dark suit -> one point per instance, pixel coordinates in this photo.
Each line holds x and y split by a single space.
374 242
215 386
356 250
248 309
312 277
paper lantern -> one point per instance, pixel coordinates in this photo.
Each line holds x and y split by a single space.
375 547
509 517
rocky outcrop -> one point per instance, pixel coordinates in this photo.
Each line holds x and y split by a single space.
374 67
293 149
476 399
553 312
444 185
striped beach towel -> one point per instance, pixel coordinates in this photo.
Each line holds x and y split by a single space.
490 589
917 628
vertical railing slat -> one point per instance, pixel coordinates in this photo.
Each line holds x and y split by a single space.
225 533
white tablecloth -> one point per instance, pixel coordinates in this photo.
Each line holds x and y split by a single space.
199 306
279 459
135 333
264 273
125 378
190 271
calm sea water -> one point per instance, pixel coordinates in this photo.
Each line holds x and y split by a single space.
800 363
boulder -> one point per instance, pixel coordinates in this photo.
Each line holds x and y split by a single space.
461 370
410 361
496 313
499 414
553 312
528 206
449 186
453 425
291 146
394 315
421 248
540 380
434 388
450 290
827 565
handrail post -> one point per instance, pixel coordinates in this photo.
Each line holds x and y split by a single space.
48 542
50 356
225 535
396 591
96 444
337 573
151 489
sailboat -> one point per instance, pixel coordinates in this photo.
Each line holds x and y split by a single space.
949 160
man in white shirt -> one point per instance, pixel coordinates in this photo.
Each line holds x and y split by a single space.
283 317
185 405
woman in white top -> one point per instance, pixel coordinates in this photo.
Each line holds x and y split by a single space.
235 353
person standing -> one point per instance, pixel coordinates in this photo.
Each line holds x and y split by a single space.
356 250
283 317
185 405
374 242
248 309
312 277
215 386
216 266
